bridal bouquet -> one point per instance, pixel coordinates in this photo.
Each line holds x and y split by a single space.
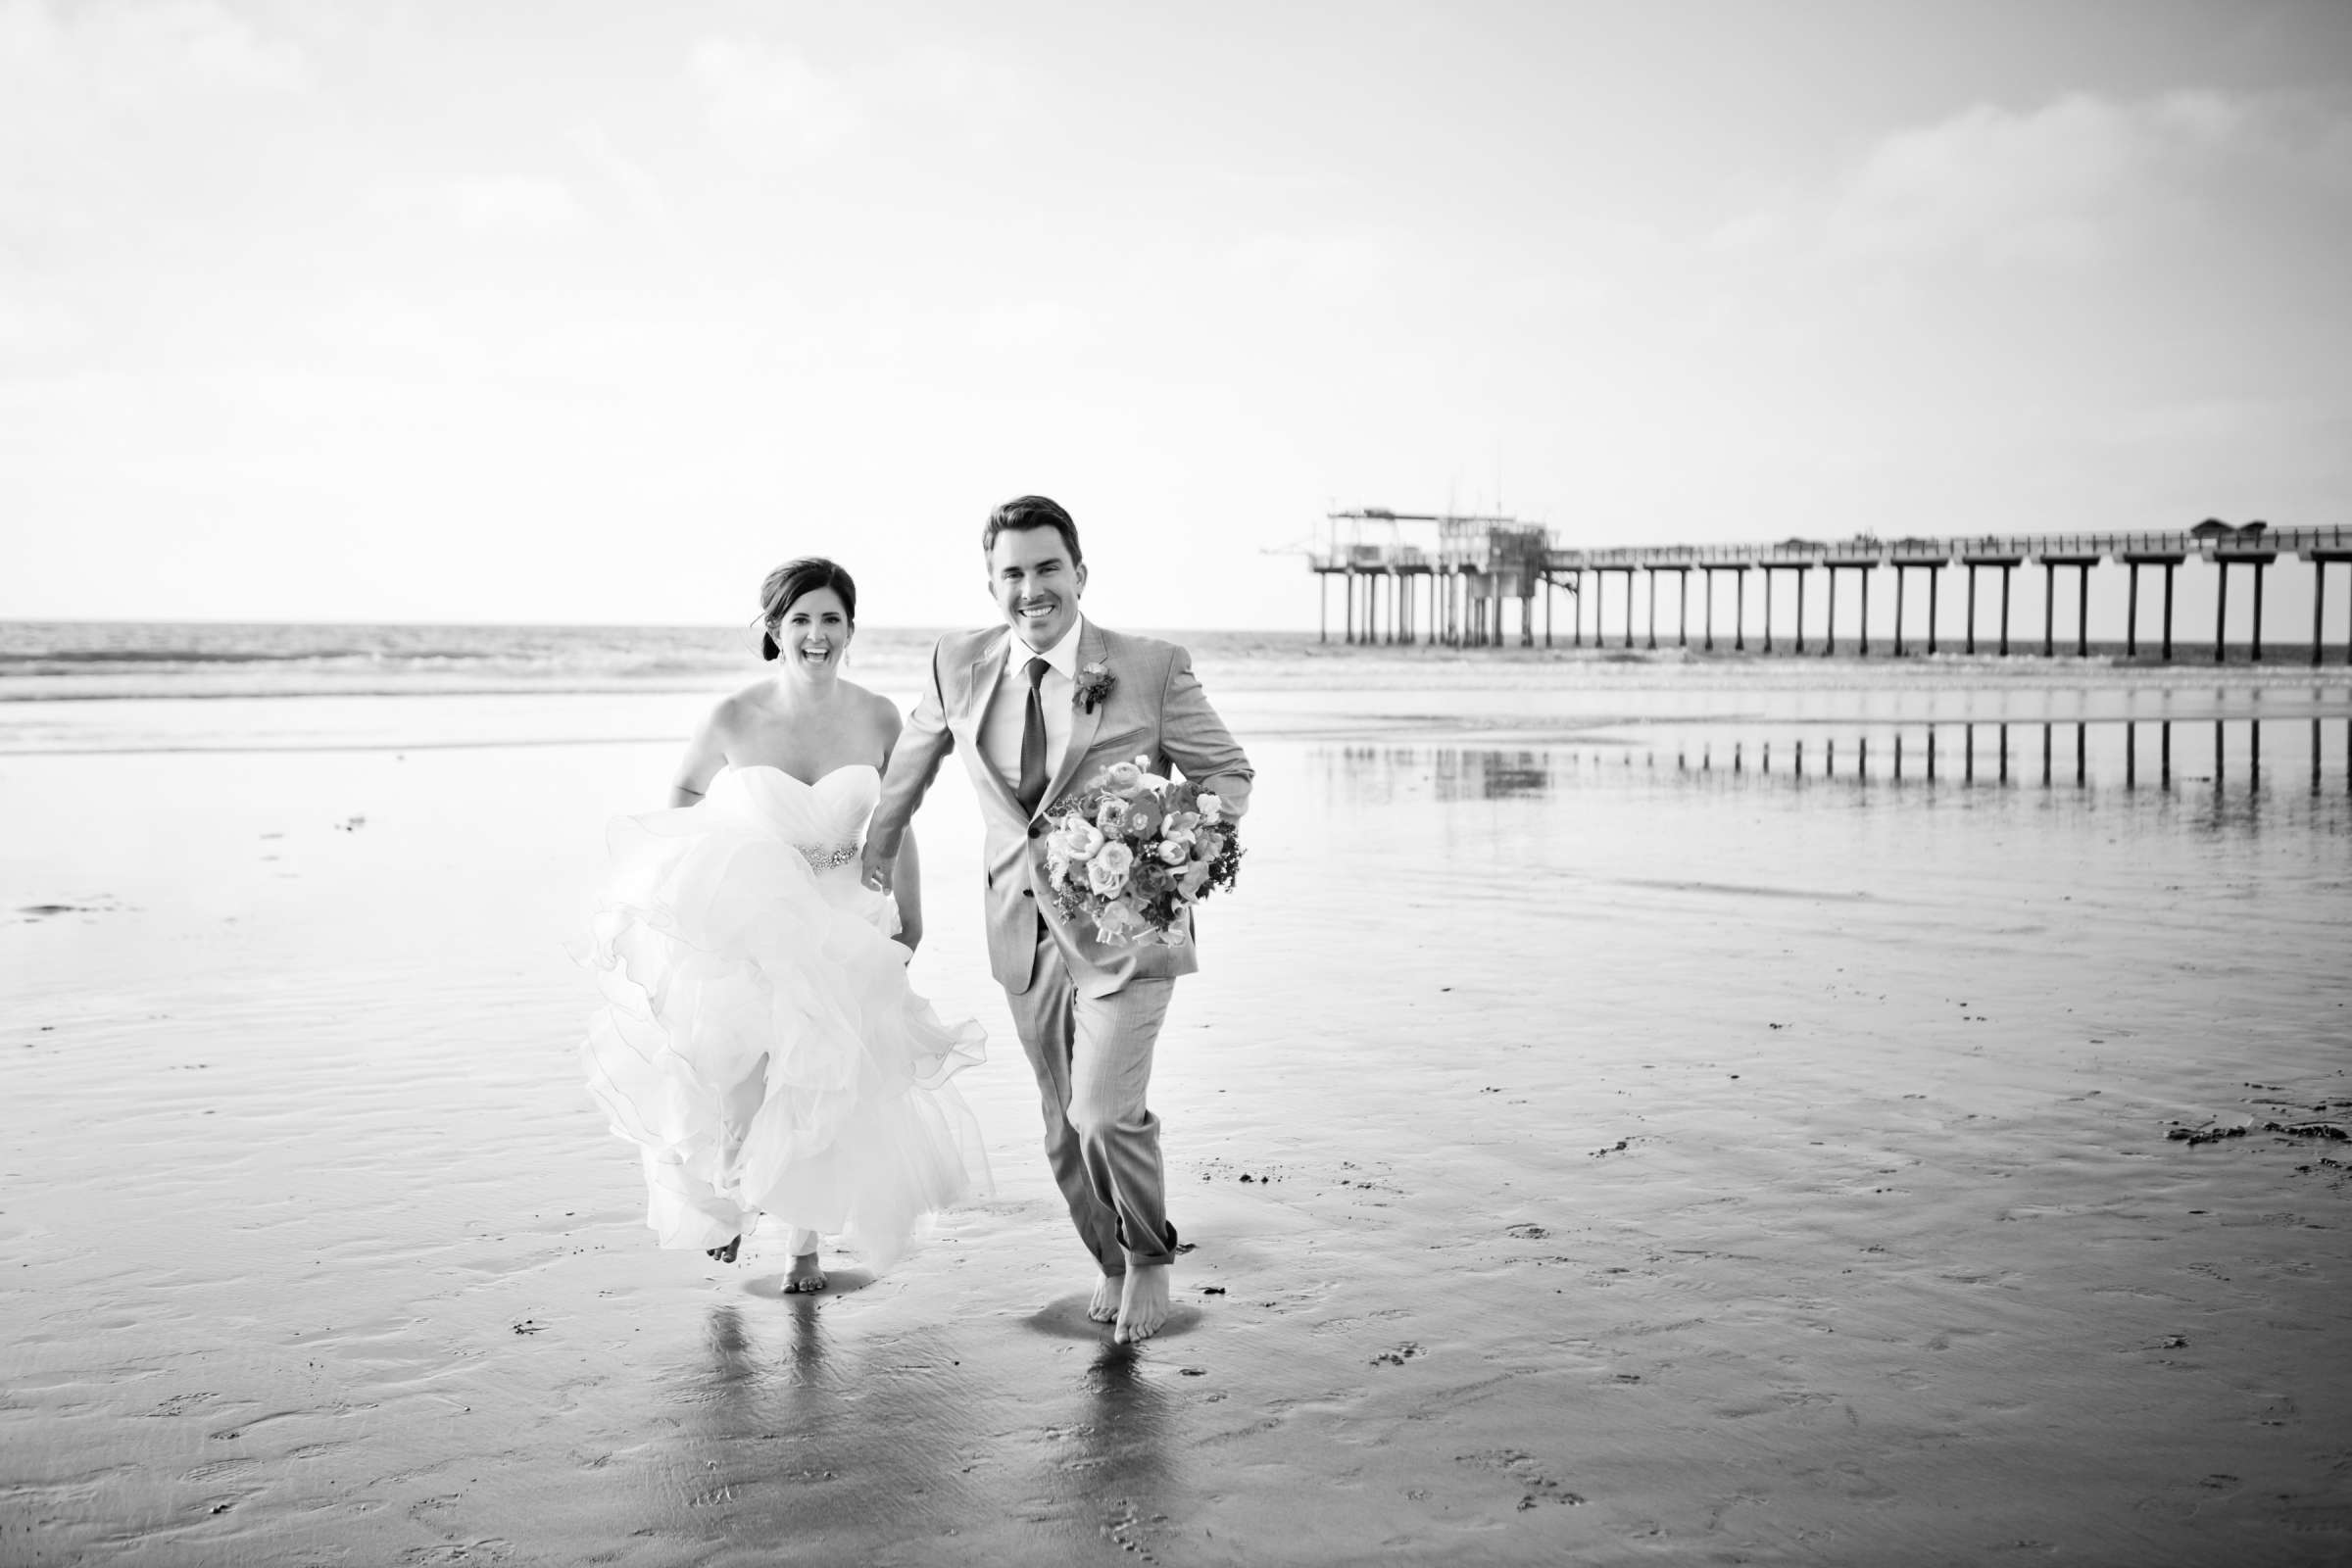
1134 851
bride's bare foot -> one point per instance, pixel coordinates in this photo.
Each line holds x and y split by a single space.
805 1276
1105 1304
726 1254
1143 1303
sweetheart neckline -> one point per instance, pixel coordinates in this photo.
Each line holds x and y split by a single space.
806 784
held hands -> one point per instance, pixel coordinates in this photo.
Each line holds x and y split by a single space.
875 863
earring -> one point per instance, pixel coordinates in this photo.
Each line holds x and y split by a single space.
767 645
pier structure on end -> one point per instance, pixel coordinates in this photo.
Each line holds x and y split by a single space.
1431 577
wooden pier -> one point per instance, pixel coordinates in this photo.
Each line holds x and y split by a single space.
1476 580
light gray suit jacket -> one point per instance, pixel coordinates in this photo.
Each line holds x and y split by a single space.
1156 709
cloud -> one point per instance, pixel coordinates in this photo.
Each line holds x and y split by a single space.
129 60
107 108
1333 272
2070 184
34 332
485 203
386 335
1023 325
2007 187
767 106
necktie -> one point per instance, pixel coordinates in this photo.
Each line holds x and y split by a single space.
1033 741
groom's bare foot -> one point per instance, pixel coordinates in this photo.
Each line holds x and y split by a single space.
1142 1305
1105 1304
805 1276
726 1254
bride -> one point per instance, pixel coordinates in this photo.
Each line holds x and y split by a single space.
759 1041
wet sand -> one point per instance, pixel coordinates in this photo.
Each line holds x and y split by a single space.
1583 1161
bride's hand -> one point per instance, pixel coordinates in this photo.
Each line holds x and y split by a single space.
874 868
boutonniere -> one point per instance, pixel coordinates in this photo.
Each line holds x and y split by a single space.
1094 685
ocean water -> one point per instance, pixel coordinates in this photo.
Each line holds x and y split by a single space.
1949 722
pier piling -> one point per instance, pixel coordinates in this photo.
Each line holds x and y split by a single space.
2220 612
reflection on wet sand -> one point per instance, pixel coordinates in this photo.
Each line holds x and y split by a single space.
815 1435
1117 1461
2103 753
788 1438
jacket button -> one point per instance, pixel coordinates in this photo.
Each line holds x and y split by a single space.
1035 831
1028 893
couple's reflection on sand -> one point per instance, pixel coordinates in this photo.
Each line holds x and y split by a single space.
838 1442
790 1434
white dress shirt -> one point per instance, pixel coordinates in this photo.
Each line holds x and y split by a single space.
1001 728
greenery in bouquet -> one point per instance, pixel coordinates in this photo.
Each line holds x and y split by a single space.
1134 851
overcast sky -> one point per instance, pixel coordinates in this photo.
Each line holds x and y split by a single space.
595 311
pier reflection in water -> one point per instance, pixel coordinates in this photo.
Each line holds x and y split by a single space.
2238 758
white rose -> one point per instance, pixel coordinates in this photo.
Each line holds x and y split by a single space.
1114 857
1209 806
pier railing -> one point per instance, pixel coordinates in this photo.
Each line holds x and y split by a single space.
1957 547
1457 588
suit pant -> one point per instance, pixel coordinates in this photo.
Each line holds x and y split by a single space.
1092 1060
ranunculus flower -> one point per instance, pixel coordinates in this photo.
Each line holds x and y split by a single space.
1111 815
1123 776
1120 920
1174 852
1209 806
1116 858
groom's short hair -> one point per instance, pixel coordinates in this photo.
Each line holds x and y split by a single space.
1024 513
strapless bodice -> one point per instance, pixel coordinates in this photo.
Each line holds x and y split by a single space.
824 820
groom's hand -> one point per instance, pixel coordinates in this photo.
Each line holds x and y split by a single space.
874 863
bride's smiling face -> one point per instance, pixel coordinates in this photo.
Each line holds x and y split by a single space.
813 633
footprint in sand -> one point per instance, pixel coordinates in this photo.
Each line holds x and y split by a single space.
1522 1468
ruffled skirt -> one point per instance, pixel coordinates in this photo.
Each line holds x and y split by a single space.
759 1043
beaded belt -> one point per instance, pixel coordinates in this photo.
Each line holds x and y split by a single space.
827 857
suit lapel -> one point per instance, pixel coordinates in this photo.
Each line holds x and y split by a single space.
1084 724
979 686
980 680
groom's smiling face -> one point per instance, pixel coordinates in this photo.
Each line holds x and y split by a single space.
1035 584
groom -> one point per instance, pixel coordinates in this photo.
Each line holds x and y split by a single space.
1037 710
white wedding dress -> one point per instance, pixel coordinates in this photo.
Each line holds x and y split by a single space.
759 1041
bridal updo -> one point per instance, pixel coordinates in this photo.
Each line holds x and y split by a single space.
791 581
